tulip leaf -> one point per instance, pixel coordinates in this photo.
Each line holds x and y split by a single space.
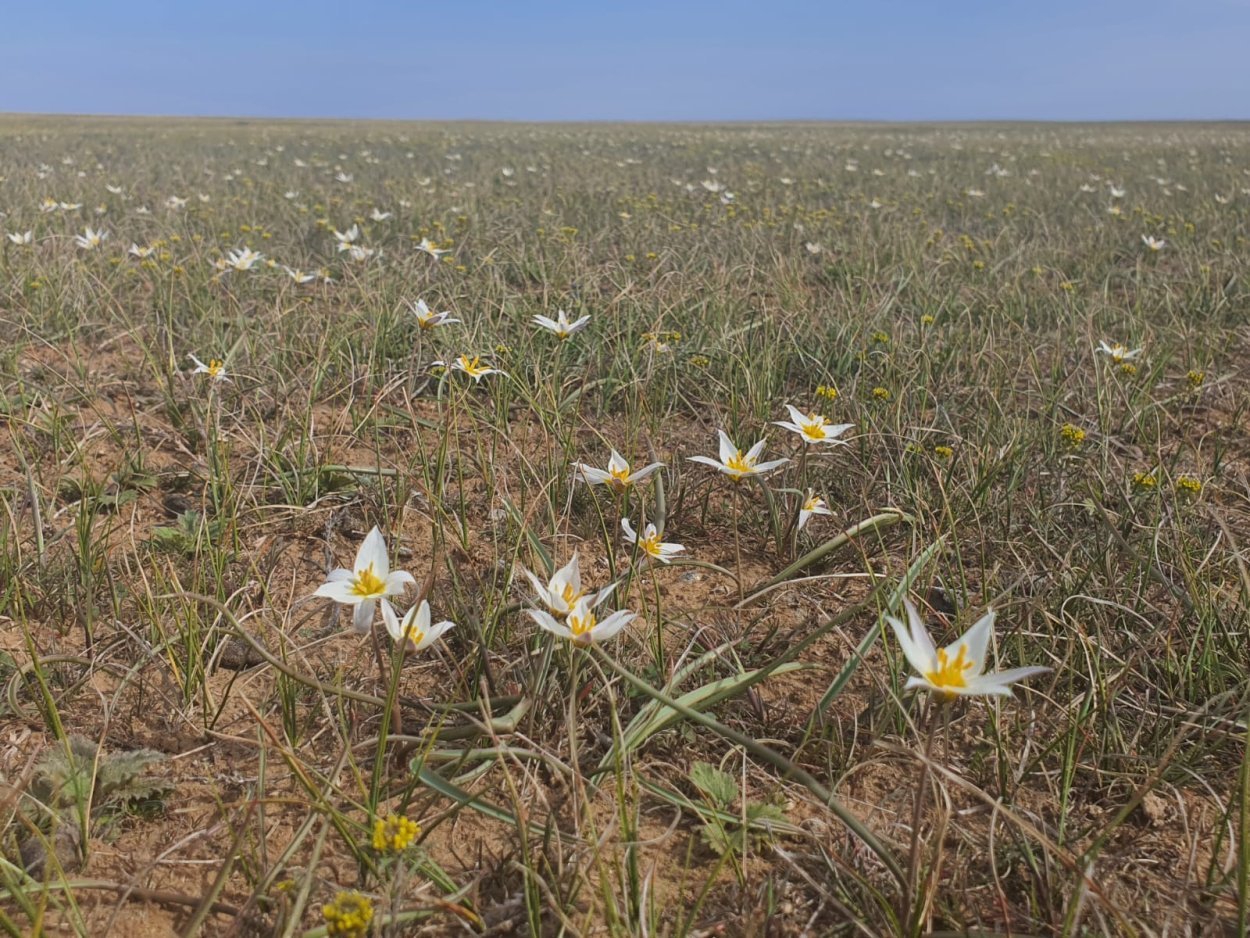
892 602
654 717
549 564
883 520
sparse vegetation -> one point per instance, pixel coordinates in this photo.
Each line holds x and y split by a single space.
235 348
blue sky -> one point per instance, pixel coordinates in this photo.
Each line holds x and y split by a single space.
644 60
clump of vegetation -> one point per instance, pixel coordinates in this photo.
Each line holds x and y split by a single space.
78 785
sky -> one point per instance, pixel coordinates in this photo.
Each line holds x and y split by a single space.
555 60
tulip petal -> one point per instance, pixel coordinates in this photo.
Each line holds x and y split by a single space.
977 639
340 591
920 637
434 633
362 617
397 580
708 461
611 625
372 552
915 656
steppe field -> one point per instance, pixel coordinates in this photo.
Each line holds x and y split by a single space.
385 548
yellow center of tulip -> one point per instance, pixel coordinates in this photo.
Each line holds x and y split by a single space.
581 627
472 366
814 427
738 463
215 367
570 595
950 671
368 583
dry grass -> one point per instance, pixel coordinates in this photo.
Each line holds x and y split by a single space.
161 535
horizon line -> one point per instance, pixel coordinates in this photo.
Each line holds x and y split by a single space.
111 115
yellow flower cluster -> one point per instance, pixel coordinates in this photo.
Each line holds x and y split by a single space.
394 833
1074 435
1144 480
1195 378
348 916
659 337
1188 485
828 392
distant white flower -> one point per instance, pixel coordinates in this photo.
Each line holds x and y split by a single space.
649 543
427 319
812 428
617 474
561 325
343 177
215 369
299 276
1116 192
564 590
581 625
813 247
1154 244
378 215
91 239
175 203
473 367
958 670
711 185
429 248
241 260
346 238
1114 210
737 465
812 505
413 630
141 253
369 580
25 237
358 252
116 190
974 193
1117 352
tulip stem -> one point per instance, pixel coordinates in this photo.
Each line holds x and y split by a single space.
390 680
738 542
918 806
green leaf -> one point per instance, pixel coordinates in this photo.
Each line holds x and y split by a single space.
715 785
893 601
655 717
